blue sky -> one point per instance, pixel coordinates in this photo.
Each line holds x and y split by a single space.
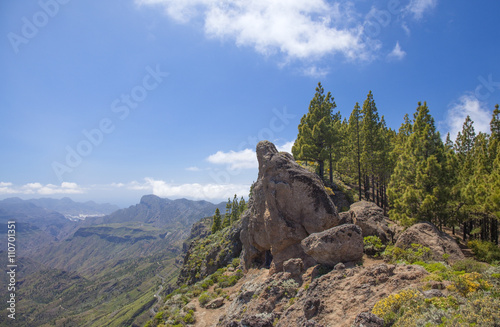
110 100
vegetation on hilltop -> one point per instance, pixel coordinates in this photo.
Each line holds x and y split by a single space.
410 173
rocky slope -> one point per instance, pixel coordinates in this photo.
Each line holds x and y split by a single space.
303 262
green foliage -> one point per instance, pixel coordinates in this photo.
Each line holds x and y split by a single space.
420 185
415 253
205 297
469 265
316 133
189 317
217 224
373 245
236 262
392 307
484 250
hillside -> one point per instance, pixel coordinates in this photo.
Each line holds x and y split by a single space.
304 264
106 270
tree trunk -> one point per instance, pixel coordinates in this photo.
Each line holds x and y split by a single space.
321 169
331 169
465 231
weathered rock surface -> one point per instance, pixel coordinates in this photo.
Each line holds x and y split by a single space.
428 235
289 203
368 319
370 218
334 299
343 243
215 303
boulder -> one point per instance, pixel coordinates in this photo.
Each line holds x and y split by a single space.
368 319
428 235
215 303
288 204
370 218
343 243
294 266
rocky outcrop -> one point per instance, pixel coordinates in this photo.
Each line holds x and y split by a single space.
368 319
204 259
334 299
428 235
343 243
288 204
370 218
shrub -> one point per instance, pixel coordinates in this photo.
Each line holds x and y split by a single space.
236 262
372 245
469 265
411 255
484 250
204 298
189 317
389 307
469 283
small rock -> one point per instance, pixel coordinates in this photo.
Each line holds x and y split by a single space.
339 266
215 303
368 319
432 293
294 266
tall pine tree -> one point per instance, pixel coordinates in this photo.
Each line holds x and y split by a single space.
316 134
419 186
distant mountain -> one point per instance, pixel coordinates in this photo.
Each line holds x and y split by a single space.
35 226
161 212
69 208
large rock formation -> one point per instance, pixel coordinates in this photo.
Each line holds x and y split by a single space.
338 244
428 235
289 203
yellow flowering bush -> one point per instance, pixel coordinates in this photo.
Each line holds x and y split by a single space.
389 307
469 283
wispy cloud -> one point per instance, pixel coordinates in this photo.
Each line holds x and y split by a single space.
244 159
418 7
467 105
397 53
297 29
190 190
40 189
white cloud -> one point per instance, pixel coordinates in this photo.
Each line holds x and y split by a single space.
194 190
397 53
38 188
458 111
406 28
244 159
315 72
294 28
287 147
418 7
193 169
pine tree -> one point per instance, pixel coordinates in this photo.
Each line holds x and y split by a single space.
353 154
495 133
419 186
493 200
235 210
242 205
227 215
316 135
216 224
370 143
464 149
